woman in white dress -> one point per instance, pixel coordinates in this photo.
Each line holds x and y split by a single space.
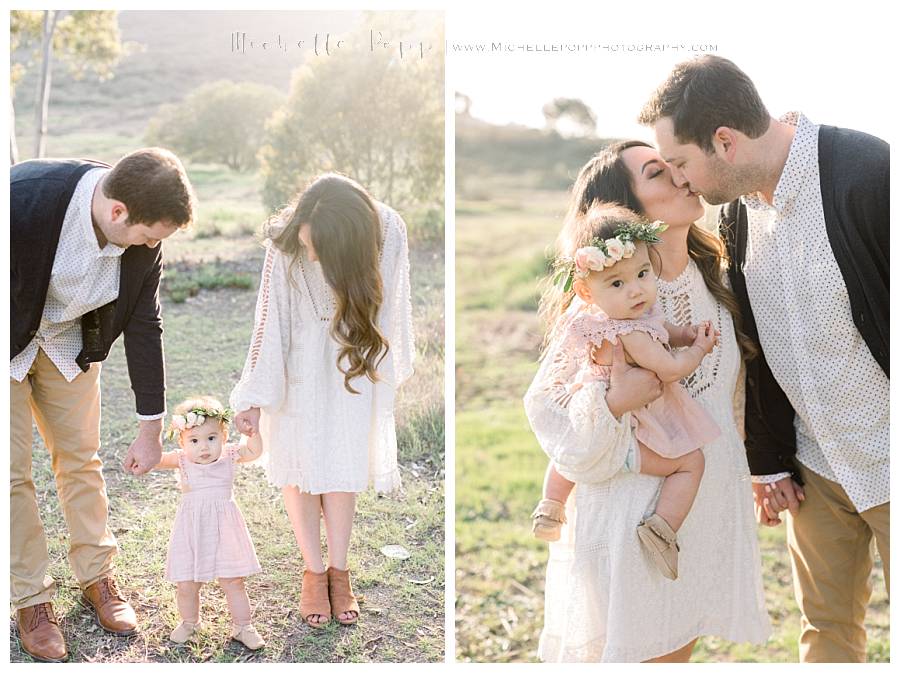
604 600
332 342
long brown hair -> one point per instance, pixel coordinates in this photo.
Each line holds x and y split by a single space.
346 234
606 178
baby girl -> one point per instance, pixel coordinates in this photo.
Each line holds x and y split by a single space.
209 538
611 274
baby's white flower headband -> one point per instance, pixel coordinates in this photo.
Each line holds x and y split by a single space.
603 253
195 417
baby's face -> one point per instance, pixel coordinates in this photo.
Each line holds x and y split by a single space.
625 290
203 443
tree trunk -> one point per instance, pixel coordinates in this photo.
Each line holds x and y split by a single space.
42 109
13 147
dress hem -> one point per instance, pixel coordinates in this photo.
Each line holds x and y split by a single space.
214 577
383 484
700 632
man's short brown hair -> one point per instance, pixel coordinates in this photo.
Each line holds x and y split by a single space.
153 185
702 94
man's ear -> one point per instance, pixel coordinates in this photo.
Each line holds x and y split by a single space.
725 143
583 291
119 212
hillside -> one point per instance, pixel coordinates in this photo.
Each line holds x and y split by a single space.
177 51
490 156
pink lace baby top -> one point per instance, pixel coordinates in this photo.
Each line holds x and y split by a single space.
209 538
673 424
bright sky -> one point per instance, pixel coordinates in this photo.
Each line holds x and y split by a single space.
835 71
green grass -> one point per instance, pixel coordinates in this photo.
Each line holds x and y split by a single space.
182 281
501 239
207 336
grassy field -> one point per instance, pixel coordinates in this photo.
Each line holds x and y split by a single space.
499 466
402 602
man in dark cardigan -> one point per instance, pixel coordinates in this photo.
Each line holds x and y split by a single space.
806 226
85 266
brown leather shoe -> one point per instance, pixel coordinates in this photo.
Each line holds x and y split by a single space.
112 611
39 633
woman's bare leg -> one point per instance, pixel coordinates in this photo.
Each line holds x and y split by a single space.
679 656
683 475
339 509
556 487
304 511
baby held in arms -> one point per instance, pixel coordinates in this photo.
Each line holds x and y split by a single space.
614 287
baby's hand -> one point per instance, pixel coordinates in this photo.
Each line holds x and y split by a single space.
247 422
706 337
689 333
682 336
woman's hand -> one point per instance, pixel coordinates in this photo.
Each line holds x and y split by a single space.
630 387
247 422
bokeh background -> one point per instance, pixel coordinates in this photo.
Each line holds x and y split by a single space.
252 125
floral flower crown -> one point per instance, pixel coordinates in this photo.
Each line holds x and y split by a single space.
195 417
601 253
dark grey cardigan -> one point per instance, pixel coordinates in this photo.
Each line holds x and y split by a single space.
39 194
854 171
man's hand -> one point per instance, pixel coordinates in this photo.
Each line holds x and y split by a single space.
629 387
770 499
145 451
247 422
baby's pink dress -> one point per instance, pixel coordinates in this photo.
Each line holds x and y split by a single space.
210 538
673 424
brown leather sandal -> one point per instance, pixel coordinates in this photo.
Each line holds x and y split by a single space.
341 594
314 598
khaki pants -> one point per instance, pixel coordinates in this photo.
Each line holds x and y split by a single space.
831 556
68 418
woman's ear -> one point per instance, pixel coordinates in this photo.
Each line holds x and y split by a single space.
583 291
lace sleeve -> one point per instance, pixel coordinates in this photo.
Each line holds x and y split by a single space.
262 382
575 429
396 310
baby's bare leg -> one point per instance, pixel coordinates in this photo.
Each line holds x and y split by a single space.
682 475
556 487
187 598
238 601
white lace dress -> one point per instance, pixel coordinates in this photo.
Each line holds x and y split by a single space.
604 600
316 434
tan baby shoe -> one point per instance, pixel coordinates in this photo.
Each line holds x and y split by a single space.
547 519
183 632
660 541
247 635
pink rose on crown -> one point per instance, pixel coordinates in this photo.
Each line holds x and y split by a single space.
629 249
615 248
589 259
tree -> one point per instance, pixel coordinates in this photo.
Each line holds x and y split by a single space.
221 122
570 117
365 112
84 40
463 104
